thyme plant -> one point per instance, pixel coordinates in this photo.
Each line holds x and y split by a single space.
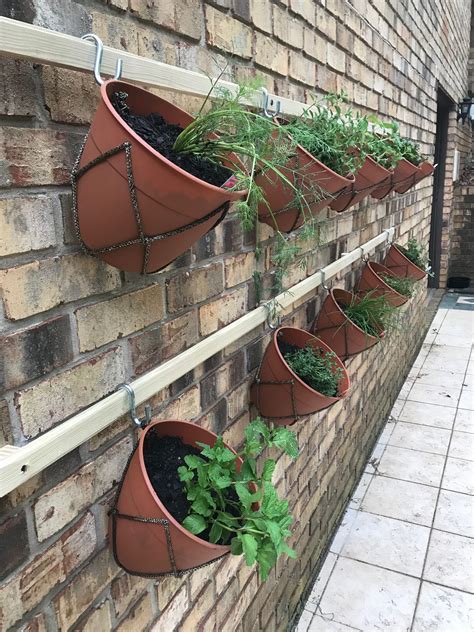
241 507
403 285
317 368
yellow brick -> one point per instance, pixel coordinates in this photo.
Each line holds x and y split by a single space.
228 34
58 506
122 315
54 399
26 224
287 28
302 69
223 311
99 620
62 279
239 268
270 54
261 13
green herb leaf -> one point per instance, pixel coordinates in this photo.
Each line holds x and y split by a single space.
249 546
194 523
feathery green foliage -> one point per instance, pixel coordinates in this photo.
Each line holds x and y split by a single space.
252 144
317 368
224 499
330 134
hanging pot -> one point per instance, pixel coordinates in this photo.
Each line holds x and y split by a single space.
401 266
368 178
423 170
145 538
307 174
339 332
133 208
278 393
370 280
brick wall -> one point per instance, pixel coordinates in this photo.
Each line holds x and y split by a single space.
56 570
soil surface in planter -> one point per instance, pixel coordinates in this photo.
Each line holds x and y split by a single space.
287 348
160 135
163 455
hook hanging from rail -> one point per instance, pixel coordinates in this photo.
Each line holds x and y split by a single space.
141 423
99 52
267 102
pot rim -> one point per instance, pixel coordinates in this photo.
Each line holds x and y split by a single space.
370 336
396 246
326 348
197 540
390 273
233 195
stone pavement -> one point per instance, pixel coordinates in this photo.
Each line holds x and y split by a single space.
403 556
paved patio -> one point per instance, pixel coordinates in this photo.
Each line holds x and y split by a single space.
403 556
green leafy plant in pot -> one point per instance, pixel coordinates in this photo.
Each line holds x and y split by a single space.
239 505
299 375
351 323
332 135
408 261
262 159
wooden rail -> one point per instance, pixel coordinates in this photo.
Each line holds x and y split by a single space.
18 464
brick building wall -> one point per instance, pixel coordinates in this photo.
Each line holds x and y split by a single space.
461 259
56 570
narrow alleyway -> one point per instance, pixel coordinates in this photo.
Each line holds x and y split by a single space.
403 556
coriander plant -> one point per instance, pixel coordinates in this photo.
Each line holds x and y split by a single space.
241 507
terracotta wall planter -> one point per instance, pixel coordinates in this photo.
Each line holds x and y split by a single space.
142 548
370 280
290 398
367 179
404 176
401 266
337 330
167 197
280 197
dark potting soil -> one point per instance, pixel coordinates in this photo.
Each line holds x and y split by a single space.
286 347
163 455
160 135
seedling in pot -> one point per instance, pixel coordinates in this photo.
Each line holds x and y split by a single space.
395 144
227 145
371 312
416 253
403 285
330 134
317 368
240 507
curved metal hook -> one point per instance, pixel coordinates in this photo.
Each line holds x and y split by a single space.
266 104
323 280
99 52
141 423
389 236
